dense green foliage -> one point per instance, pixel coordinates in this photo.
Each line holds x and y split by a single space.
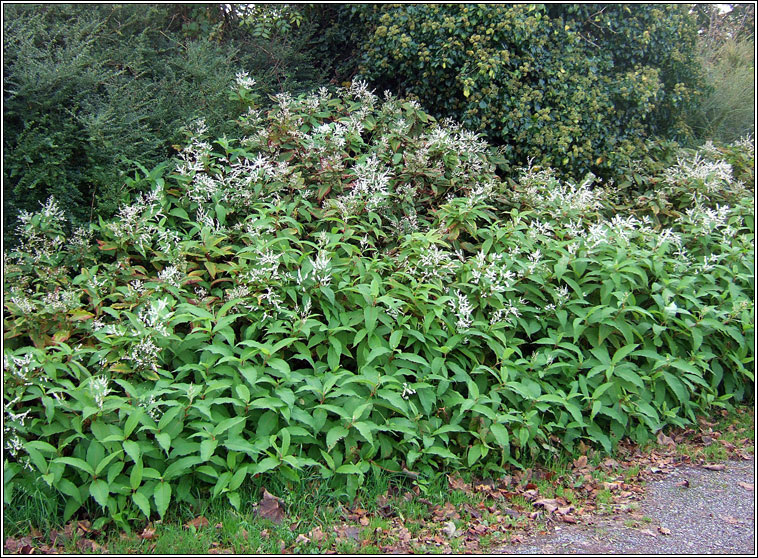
90 89
577 87
350 286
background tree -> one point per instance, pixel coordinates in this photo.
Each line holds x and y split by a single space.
90 89
576 87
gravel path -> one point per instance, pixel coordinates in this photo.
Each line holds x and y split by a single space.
714 515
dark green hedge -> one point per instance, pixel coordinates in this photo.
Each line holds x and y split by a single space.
90 88
578 87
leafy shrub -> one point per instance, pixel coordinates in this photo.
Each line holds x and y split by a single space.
91 89
350 286
575 86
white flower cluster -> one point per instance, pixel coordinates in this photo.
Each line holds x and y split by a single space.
463 310
155 317
238 291
714 175
434 264
80 240
271 303
60 301
369 190
171 275
243 80
505 314
25 304
450 136
322 268
490 272
144 355
361 92
36 244
407 391
20 367
706 219
13 443
479 194
138 223
194 156
151 407
99 389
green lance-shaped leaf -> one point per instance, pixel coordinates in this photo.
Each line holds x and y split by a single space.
162 497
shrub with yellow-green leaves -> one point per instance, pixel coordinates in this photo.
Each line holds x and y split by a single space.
575 88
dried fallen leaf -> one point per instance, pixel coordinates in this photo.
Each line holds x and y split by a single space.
18 546
88 545
550 504
148 533
345 532
664 531
197 523
580 462
270 507
83 527
648 532
664 440
457 483
302 539
449 529
745 485
364 520
220 551
448 511
714 466
317 534
729 519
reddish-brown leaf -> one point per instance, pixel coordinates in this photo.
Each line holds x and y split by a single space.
197 523
88 545
745 485
270 507
302 539
317 534
580 462
456 483
550 504
148 533
714 466
664 440
347 532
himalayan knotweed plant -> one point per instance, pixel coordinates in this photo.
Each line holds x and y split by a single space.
351 286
